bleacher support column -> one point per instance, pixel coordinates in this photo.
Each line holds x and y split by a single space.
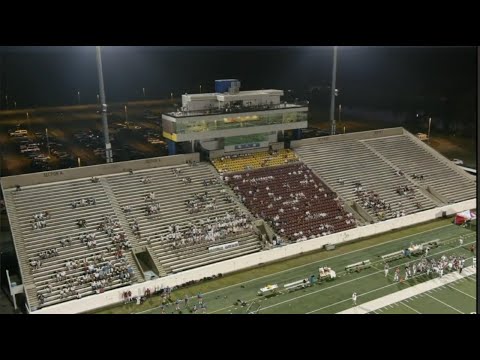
297 134
172 147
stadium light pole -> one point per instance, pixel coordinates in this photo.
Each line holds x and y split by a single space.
108 146
333 88
429 123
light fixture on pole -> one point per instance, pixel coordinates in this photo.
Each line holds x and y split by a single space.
126 115
429 123
78 94
98 99
108 146
171 96
200 88
334 92
143 89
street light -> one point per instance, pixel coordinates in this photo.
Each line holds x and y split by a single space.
108 146
126 115
15 104
143 89
171 96
339 112
98 99
200 88
78 93
334 91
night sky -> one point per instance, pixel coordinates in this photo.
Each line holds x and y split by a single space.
367 76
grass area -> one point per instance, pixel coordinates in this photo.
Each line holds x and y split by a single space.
455 147
221 293
455 298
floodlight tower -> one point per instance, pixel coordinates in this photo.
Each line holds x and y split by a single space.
333 92
103 101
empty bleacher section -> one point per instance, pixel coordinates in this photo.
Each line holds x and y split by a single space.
296 203
417 160
359 175
198 222
233 163
59 259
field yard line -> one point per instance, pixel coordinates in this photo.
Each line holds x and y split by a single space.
317 261
341 301
401 295
311 263
298 297
445 304
418 312
464 293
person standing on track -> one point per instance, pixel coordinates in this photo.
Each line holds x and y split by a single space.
354 298
386 268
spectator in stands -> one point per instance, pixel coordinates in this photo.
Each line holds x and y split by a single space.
18 188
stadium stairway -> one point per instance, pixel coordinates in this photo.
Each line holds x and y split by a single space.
62 224
413 156
352 161
436 199
172 193
128 231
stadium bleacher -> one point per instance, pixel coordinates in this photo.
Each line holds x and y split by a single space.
234 163
347 162
296 203
412 158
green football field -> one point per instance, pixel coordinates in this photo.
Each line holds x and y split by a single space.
458 297
238 293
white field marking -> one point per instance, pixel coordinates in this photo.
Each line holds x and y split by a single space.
298 297
410 307
317 262
323 289
368 292
440 301
464 293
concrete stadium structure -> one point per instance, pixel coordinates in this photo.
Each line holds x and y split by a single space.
372 158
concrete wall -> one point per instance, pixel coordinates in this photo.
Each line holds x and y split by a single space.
95 170
115 296
361 135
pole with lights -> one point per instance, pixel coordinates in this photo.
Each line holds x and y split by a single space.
333 92
108 146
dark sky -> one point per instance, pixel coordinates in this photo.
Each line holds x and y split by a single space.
53 75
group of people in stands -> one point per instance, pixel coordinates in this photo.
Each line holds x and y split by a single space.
405 190
209 230
201 202
293 200
40 220
83 202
